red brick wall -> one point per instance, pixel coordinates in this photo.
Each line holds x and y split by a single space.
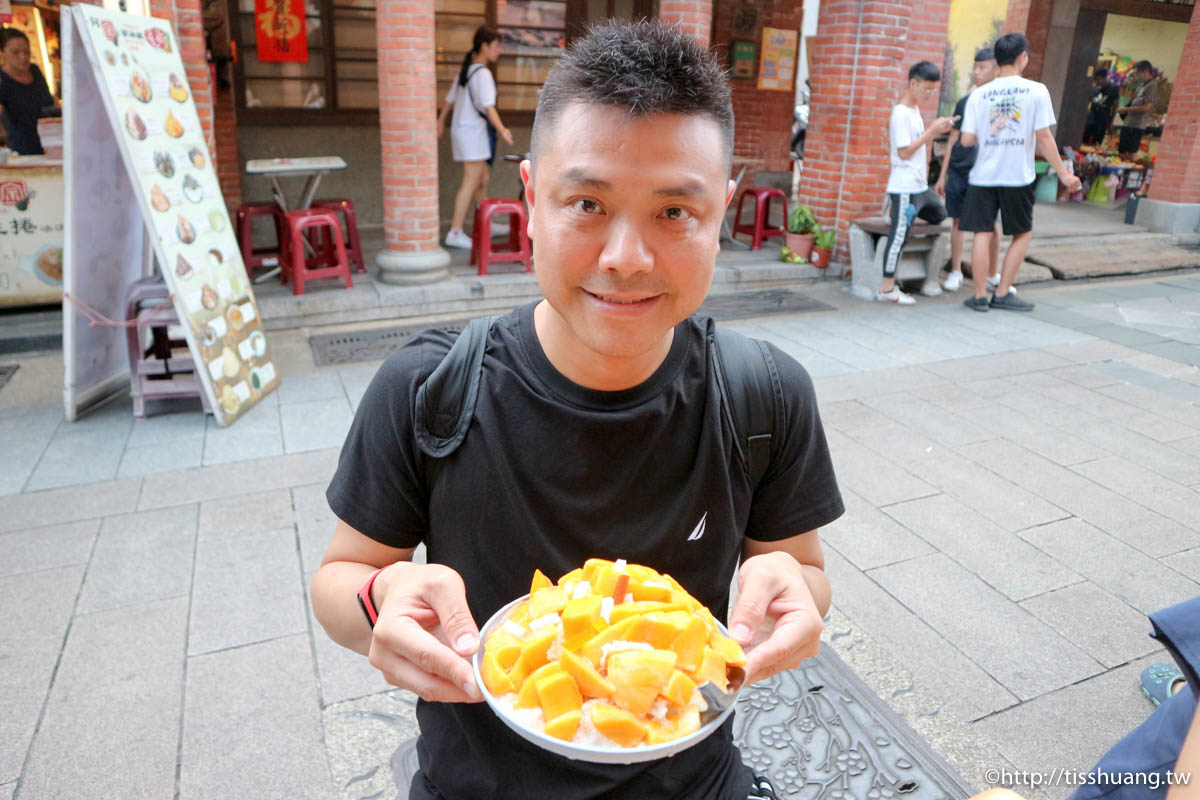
694 16
1177 165
189 25
763 119
229 163
1032 18
864 60
407 109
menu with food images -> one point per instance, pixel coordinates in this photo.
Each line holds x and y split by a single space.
142 79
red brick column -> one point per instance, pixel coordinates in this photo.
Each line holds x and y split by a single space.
865 50
693 16
228 161
407 117
189 25
1174 201
1032 18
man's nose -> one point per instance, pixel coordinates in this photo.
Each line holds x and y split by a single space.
625 250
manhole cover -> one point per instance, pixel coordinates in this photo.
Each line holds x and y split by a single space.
376 345
6 372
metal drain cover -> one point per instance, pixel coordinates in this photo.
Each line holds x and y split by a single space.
6 372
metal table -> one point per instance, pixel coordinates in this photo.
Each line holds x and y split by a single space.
313 169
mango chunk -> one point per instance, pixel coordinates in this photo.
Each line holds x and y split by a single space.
564 726
679 688
550 600
589 680
533 651
613 633
626 610
656 629
494 678
574 576
558 694
579 614
712 668
505 647
617 724
591 565
540 581
689 645
730 650
639 676
527 695
649 592
520 614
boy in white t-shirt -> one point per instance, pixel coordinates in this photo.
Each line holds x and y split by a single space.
908 185
1007 118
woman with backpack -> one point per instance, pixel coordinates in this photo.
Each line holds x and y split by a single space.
474 126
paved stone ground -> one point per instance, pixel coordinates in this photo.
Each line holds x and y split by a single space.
1022 490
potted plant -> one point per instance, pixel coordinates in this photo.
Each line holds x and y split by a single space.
823 248
801 231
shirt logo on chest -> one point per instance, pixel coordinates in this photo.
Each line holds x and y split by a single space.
698 531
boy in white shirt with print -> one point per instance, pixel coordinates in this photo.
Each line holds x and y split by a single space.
908 185
1007 118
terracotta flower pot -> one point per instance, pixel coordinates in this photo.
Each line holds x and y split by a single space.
819 257
800 243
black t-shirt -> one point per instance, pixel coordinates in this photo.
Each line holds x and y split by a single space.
552 473
1103 102
23 104
962 158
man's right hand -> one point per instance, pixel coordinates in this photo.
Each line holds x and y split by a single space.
940 186
425 635
942 125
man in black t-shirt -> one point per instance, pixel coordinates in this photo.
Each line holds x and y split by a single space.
1102 107
952 183
598 431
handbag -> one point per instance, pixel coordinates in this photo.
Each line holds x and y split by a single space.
491 129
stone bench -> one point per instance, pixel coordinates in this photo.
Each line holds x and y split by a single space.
924 255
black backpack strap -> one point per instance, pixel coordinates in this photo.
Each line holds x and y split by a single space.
752 393
445 401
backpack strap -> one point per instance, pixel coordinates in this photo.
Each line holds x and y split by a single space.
445 402
752 394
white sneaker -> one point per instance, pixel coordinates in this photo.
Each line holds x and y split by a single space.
456 238
894 296
953 282
993 281
930 289
499 228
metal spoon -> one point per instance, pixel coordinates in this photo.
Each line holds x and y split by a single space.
718 700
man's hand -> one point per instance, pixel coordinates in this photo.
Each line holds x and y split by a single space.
425 635
942 125
775 618
1072 182
506 135
441 127
940 186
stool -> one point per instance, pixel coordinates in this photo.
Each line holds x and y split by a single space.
155 372
758 230
297 267
246 213
345 207
517 248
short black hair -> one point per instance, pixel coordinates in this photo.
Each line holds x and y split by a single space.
1008 48
924 71
1100 72
9 34
985 54
1143 66
644 67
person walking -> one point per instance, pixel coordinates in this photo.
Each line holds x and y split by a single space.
474 126
24 95
1007 119
952 182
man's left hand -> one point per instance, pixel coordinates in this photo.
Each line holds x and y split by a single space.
775 619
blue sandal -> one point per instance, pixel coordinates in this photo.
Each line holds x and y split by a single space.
1157 680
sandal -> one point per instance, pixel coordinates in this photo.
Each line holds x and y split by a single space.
1157 681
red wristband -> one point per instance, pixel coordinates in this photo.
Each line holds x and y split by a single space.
365 601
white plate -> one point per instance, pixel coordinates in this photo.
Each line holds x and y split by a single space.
598 755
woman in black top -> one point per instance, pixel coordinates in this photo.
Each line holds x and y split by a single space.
23 94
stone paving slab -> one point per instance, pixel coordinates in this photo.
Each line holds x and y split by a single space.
1186 563
1100 624
314 524
1142 582
1023 654
25 438
362 735
872 476
115 701
342 674
207 483
1174 501
46 548
1096 713
91 501
246 513
869 538
1168 461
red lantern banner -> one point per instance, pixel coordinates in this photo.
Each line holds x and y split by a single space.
281 32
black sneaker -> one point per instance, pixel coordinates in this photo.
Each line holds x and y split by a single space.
976 303
1010 302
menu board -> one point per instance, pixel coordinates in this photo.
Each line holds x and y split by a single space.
778 64
152 114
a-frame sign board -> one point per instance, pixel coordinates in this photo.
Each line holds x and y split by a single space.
128 100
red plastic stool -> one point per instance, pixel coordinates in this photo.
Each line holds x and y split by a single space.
345 207
758 230
517 248
298 268
246 213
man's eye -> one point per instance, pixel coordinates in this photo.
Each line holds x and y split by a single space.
676 213
587 206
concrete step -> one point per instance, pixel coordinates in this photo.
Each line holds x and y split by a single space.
31 331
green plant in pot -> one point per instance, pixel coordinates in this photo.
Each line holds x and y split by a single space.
801 231
823 248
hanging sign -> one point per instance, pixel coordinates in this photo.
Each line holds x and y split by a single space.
778 64
279 27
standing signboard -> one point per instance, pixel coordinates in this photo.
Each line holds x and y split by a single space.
173 187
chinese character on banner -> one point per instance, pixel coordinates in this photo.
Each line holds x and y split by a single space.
281 31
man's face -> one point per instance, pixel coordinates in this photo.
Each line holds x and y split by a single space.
625 215
1101 80
983 71
922 90
1145 75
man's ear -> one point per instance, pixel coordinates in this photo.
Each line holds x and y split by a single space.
527 179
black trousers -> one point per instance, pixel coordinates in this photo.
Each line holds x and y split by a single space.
926 205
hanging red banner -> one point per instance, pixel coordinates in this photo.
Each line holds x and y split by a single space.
281 31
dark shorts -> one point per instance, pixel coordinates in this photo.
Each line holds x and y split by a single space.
1014 203
956 193
1131 139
